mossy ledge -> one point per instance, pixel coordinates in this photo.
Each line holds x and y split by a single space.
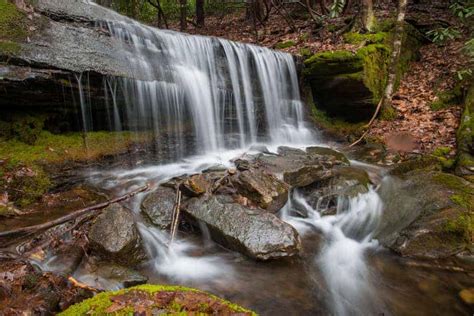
347 85
100 304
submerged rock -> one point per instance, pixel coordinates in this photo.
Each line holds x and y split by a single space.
158 206
262 188
427 214
114 235
256 233
105 275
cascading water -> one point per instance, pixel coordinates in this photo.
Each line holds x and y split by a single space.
226 96
348 235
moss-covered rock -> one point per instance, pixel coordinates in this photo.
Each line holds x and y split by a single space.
347 85
164 299
427 214
465 139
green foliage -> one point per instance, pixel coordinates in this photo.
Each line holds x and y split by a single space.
462 9
336 8
443 34
305 52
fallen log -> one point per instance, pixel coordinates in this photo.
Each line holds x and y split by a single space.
71 216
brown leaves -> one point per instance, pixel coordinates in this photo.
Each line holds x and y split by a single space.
418 89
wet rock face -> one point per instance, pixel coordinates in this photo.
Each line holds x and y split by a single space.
114 235
346 183
158 206
256 233
262 188
301 168
426 214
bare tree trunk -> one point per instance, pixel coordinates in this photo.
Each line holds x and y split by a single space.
368 17
183 7
396 50
200 16
160 15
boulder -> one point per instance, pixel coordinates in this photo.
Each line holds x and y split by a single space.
345 183
254 232
465 139
427 214
262 188
301 168
114 235
158 206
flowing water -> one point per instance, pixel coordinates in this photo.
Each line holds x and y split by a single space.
215 99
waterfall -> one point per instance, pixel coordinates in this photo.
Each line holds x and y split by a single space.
205 93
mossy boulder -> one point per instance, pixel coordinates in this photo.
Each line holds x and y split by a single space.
156 299
465 139
427 214
347 85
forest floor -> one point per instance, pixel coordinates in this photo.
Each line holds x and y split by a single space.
422 127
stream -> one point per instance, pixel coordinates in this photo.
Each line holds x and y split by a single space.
207 101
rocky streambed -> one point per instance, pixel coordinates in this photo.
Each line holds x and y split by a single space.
294 230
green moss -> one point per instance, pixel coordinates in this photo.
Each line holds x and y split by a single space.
13 27
465 138
52 148
9 47
25 184
332 63
461 226
386 25
99 304
376 59
283 45
305 52
370 38
334 126
446 99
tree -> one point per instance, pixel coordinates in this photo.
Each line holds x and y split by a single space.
159 12
183 14
368 18
200 15
396 50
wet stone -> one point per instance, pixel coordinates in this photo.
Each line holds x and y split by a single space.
158 206
114 235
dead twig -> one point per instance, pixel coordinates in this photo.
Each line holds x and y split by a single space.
176 212
377 110
71 216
